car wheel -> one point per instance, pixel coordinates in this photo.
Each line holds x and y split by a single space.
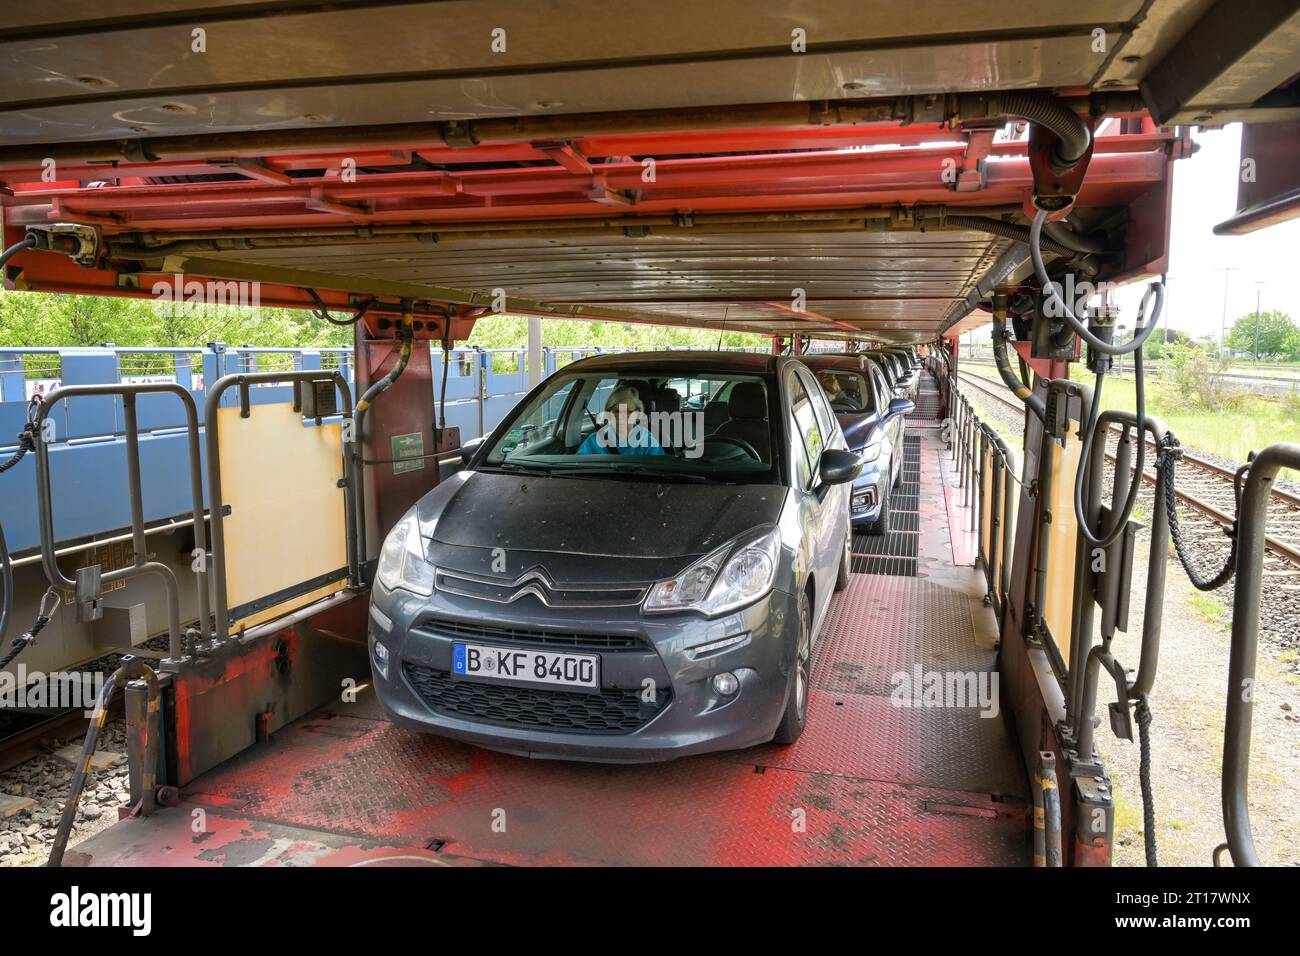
796 707
846 561
881 524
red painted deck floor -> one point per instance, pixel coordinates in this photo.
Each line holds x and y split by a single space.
870 783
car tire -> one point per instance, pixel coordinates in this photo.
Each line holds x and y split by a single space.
796 706
846 561
881 524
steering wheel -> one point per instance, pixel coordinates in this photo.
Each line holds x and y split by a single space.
740 443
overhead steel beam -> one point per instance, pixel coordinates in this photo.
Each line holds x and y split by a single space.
1228 66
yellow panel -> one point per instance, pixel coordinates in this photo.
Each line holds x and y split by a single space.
286 522
1010 502
986 496
1062 540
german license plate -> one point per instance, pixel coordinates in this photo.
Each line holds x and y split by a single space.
525 666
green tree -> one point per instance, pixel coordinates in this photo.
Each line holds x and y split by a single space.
1272 333
1157 346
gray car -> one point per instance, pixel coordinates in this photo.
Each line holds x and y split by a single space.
634 566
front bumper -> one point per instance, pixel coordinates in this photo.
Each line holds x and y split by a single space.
687 716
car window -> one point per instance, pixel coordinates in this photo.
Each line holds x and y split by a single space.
821 405
810 433
643 422
847 390
882 386
540 423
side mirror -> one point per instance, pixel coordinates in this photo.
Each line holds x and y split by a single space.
839 466
901 406
468 449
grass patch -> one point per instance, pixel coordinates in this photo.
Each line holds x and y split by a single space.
1127 816
1254 425
1211 607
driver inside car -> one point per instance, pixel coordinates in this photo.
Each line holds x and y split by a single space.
831 385
622 430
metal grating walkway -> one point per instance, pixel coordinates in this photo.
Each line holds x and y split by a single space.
928 402
896 551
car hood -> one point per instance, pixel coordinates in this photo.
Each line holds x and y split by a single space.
860 429
622 529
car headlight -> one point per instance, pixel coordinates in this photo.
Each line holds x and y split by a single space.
869 453
401 560
738 573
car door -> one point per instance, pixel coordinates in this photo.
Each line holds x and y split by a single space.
890 425
823 508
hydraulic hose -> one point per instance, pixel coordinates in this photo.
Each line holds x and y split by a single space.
1022 391
1089 431
1062 235
27 242
1071 129
1141 331
1007 230
406 333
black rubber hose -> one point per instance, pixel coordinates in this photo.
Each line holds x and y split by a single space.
1104 539
1022 391
1007 230
1142 329
1065 236
27 242
1072 129
405 332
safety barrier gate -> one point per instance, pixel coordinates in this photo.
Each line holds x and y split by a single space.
1065 592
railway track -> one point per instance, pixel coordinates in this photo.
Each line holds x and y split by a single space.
1202 485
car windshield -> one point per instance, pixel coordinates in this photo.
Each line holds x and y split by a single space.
848 390
647 423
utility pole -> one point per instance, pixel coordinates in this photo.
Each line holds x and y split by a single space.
1257 291
1223 320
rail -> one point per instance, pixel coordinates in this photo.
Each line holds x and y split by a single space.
1252 522
90 581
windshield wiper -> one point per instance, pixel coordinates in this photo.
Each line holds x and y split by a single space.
514 468
638 471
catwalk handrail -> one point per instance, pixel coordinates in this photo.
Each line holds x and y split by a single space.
1252 517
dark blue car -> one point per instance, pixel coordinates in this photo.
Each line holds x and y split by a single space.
872 421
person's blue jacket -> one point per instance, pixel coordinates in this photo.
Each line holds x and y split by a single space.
639 442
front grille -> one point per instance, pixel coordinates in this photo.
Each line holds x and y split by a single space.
513 635
606 712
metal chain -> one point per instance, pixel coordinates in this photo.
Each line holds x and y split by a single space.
1143 710
1166 456
49 605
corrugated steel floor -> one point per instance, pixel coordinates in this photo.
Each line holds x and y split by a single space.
871 782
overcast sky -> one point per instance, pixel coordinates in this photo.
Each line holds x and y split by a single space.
1205 194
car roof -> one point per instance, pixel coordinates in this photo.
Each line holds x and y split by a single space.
851 363
682 360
